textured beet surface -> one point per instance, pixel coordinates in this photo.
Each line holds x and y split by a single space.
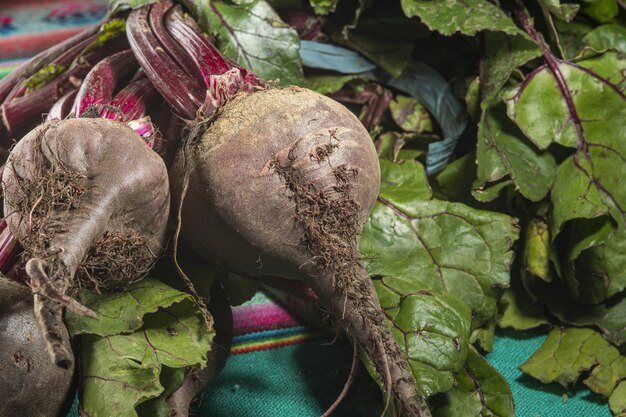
89 202
280 184
30 384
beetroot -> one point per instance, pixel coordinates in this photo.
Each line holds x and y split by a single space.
30 384
88 201
273 182
280 184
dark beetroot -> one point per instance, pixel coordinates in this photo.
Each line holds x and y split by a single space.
30 384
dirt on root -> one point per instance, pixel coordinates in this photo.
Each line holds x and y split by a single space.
330 220
113 263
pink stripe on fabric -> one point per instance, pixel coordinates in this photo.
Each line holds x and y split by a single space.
258 317
18 46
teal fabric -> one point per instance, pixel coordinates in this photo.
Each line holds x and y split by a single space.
533 399
299 380
304 379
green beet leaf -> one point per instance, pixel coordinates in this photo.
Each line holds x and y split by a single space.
608 317
565 12
171 379
568 354
122 312
464 16
599 272
479 391
519 312
437 267
252 34
602 11
611 36
324 6
483 336
617 401
138 361
328 84
578 109
503 54
503 152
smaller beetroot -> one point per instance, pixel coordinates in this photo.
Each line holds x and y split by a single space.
30 384
88 201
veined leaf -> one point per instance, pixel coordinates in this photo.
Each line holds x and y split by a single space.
479 391
503 152
435 269
577 108
252 34
160 331
464 16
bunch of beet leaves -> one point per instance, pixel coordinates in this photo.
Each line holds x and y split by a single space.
476 184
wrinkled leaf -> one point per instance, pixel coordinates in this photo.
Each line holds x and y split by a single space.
432 330
121 371
479 391
122 312
253 35
464 16
566 354
503 152
410 115
503 54
588 183
611 36
439 253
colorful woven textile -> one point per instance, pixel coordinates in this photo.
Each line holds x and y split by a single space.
279 368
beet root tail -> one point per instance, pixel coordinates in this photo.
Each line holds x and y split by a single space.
48 306
358 310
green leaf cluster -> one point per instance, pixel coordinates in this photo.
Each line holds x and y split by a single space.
137 349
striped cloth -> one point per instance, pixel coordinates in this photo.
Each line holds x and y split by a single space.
278 367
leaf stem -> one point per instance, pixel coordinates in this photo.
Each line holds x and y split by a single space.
552 61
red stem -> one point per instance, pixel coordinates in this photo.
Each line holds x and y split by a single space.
133 101
173 48
63 106
100 82
552 61
166 75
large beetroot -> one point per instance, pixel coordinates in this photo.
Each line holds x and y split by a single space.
274 182
88 201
